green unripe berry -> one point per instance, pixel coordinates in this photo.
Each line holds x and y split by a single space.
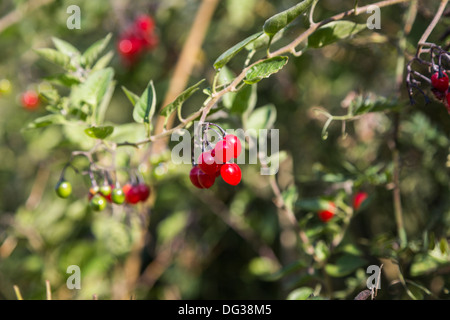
63 189
105 190
118 196
98 202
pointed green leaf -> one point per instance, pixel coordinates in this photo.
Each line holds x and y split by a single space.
100 111
282 19
93 89
244 100
103 61
65 47
145 106
92 53
178 102
223 59
54 56
64 79
264 69
46 121
132 97
334 31
99 132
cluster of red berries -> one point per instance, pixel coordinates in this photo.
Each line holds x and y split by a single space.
138 38
30 100
328 213
440 84
216 162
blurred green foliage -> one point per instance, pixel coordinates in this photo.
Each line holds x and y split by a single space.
209 244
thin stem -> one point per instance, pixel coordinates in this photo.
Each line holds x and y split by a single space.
17 292
434 22
48 290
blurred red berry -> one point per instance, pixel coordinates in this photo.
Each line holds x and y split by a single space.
30 100
144 191
439 81
326 215
359 198
145 23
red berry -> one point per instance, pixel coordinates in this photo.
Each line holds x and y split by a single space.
206 180
132 194
359 198
207 163
235 144
30 100
219 166
144 23
144 191
231 173
223 151
440 83
326 215
129 46
193 175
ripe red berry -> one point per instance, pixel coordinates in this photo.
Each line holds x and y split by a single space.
231 173
326 215
207 163
144 191
193 175
144 23
206 180
223 151
235 144
30 100
129 46
132 194
440 83
359 198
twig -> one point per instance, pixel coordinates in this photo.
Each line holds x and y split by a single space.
48 290
434 22
18 294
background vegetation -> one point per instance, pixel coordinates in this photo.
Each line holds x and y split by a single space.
230 242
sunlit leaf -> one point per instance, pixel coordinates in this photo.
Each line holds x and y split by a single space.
223 59
282 19
334 31
264 69
99 132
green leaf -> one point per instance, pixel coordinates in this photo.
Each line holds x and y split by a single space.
345 265
103 61
244 100
64 79
264 69
334 31
300 294
290 268
262 118
93 89
145 107
99 132
365 104
178 102
91 54
46 121
264 40
65 47
225 77
225 57
100 111
132 97
54 56
280 20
